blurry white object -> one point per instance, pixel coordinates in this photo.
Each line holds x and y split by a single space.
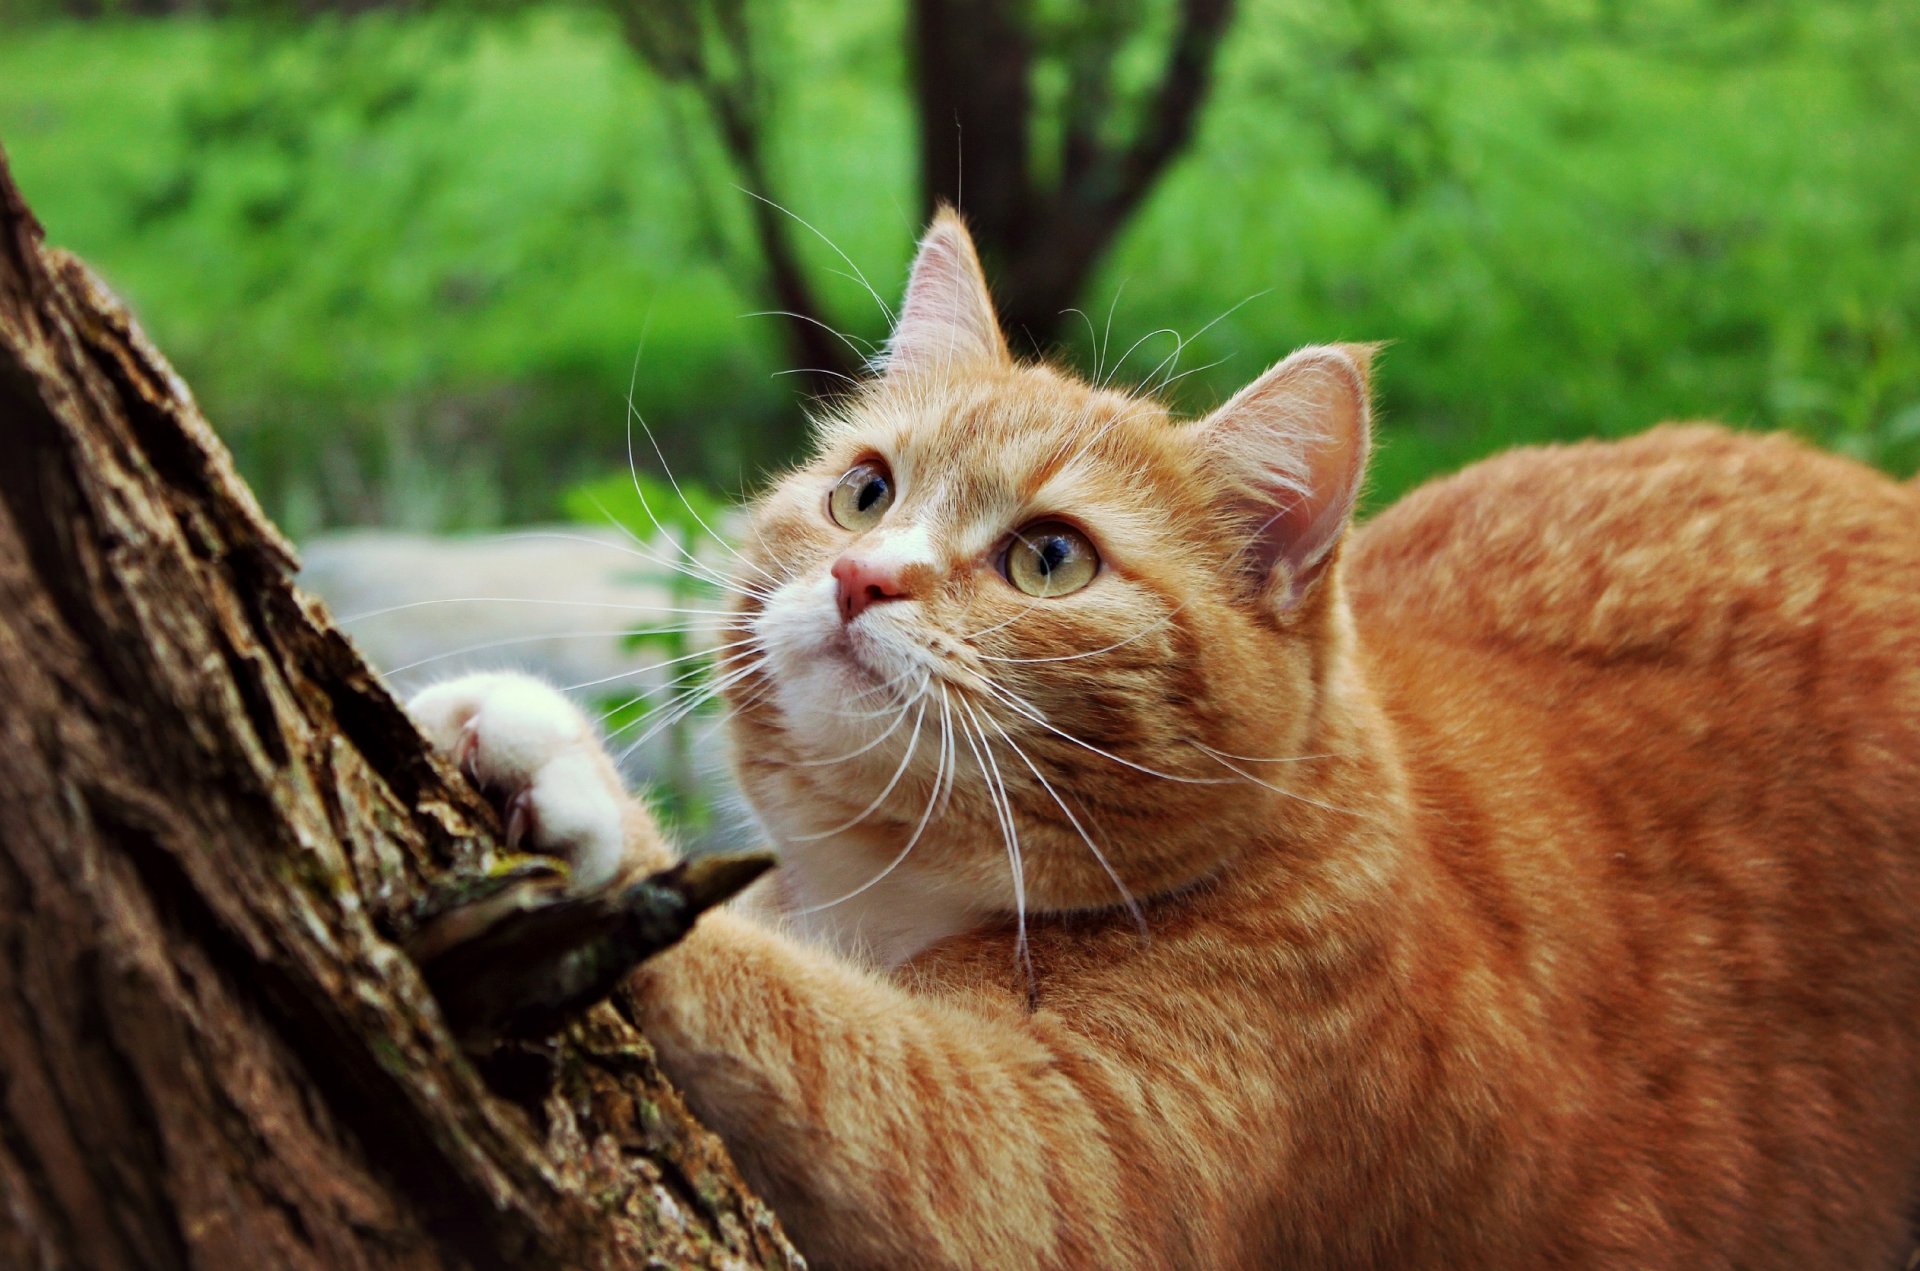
550 601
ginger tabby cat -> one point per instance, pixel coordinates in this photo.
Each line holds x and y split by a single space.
1176 878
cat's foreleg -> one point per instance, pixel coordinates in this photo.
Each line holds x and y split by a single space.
895 1129
888 1128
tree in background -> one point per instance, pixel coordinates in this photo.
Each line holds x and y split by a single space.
1033 119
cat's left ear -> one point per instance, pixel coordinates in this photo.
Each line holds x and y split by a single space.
947 317
1290 452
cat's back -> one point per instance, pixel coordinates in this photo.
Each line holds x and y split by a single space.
1675 545
1659 703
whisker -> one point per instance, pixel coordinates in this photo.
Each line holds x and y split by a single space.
816 370
913 743
1288 794
633 476
1184 341
1032 712
1228 754
1126 896
1093 337
1009 832
618 606
638 552
1104 339
885 309
1093 653
632 415
487 646
698 571
687 679
926 818
1115 368
1171 380
1005 622
662 665
853 342
688 703
900 716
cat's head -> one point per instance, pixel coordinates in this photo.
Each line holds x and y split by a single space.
1003 605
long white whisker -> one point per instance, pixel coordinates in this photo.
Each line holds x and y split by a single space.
487 646
1093 337
837 333
1185 340
971 636
1126 897
1161 621
633 476
691 702
913 743
816 370
926 818
900 717
1171 380
1104 339
1267 785
638 552
885 309
1228 754
1115 368
713 653
632 415
534 600
687 679
1003 808
691 567
1033 713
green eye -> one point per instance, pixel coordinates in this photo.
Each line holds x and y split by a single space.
1050 559
860 498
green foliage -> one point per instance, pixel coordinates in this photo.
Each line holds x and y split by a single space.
409 260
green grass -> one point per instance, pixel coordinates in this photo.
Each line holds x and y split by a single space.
408 262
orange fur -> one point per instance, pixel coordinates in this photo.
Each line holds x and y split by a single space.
1528 881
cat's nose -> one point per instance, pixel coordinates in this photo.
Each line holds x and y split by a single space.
866 582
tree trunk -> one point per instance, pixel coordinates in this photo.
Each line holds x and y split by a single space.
972 66
213 820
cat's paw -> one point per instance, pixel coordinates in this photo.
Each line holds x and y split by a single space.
538 757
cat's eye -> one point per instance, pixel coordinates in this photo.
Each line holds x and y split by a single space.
860 498
1050 558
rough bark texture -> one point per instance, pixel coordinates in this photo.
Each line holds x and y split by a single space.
212 817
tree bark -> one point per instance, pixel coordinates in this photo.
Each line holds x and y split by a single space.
213 821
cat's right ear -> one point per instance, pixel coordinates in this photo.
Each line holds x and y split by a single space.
947 318
1289 452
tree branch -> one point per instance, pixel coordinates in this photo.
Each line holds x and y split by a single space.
721 67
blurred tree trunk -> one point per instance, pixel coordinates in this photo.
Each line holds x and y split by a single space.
1043 222
973 68
212 820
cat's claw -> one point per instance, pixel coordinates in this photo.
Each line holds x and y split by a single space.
538 757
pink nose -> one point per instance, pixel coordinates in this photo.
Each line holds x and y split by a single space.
863 583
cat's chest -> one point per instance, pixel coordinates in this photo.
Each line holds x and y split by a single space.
840 900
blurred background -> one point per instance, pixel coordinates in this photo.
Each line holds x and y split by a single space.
413 257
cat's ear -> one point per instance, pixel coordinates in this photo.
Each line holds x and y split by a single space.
1290 451
947 318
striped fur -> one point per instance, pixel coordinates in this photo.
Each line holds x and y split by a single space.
1533 885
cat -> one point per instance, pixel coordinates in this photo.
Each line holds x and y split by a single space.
1176 875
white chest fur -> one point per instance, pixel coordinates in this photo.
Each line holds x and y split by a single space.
885 924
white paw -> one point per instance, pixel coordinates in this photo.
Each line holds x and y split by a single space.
538 757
